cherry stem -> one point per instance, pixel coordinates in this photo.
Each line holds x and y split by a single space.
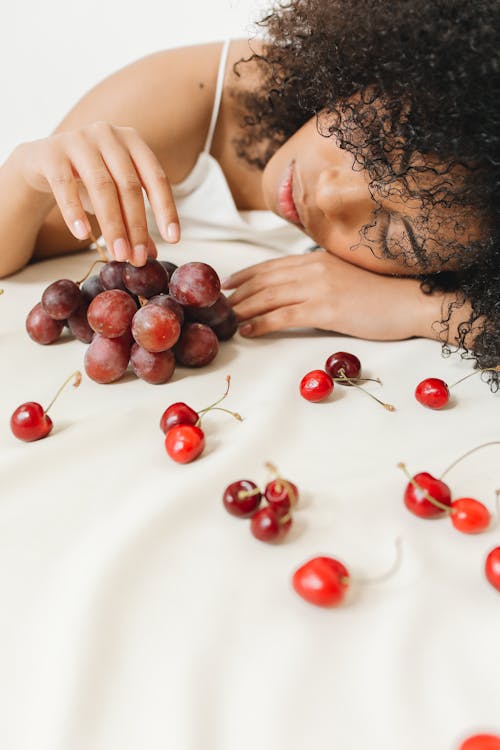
391 571
476 372
102 253
77 378
234 414
358 380
428 497
473 450
344 377
280 481
89 271
248 493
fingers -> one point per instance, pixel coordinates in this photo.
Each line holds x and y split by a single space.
240 277
267 299
291 316
157 187
109 167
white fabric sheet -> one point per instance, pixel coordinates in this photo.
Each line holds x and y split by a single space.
137 614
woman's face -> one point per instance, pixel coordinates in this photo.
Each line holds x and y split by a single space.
310 181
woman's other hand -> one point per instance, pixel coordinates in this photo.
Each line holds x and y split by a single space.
322 291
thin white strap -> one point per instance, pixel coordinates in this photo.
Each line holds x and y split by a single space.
218 95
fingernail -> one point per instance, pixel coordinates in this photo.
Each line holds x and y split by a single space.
173 232
246 329
80 230
141 254
120 249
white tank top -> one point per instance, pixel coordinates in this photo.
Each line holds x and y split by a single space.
206 207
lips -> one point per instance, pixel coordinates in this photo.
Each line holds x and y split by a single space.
286 205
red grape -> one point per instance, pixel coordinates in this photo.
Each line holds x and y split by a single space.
165 300
41 327
61 298
107 359
111 313
155 328
212 315
147 280
227 328
79 325
153 367
111 275
197 345
168 266
91 288
195 284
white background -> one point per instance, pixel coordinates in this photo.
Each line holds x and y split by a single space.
52 52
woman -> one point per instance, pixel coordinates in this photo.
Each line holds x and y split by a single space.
372 127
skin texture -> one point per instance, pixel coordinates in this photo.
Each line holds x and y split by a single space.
349 289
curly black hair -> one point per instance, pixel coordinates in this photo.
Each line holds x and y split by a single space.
409 88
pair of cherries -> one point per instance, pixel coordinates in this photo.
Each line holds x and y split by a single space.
181 424
30 421
271 522
340 367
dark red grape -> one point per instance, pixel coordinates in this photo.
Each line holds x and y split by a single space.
169 267
195 284
111 276
107 359
91 287
61 298
153 367
146 281
212 315
41 327
79 325
227 328
155 328
111 313
197 345
165 300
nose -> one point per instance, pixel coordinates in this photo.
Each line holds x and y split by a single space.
344 197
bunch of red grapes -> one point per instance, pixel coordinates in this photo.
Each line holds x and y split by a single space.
154 317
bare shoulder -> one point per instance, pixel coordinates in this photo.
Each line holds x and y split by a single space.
166 96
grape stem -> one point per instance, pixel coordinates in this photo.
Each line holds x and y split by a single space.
89 271
102 253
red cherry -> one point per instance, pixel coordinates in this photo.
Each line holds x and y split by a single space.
338 361
492 568
270 525
178 413
433 393
316 385
29 422
282 494
481 742
469 515
184 442
242 498
416 501
322 581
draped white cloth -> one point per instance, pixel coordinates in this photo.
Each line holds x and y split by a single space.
137 614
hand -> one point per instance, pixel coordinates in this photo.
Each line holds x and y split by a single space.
102 168
319 290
